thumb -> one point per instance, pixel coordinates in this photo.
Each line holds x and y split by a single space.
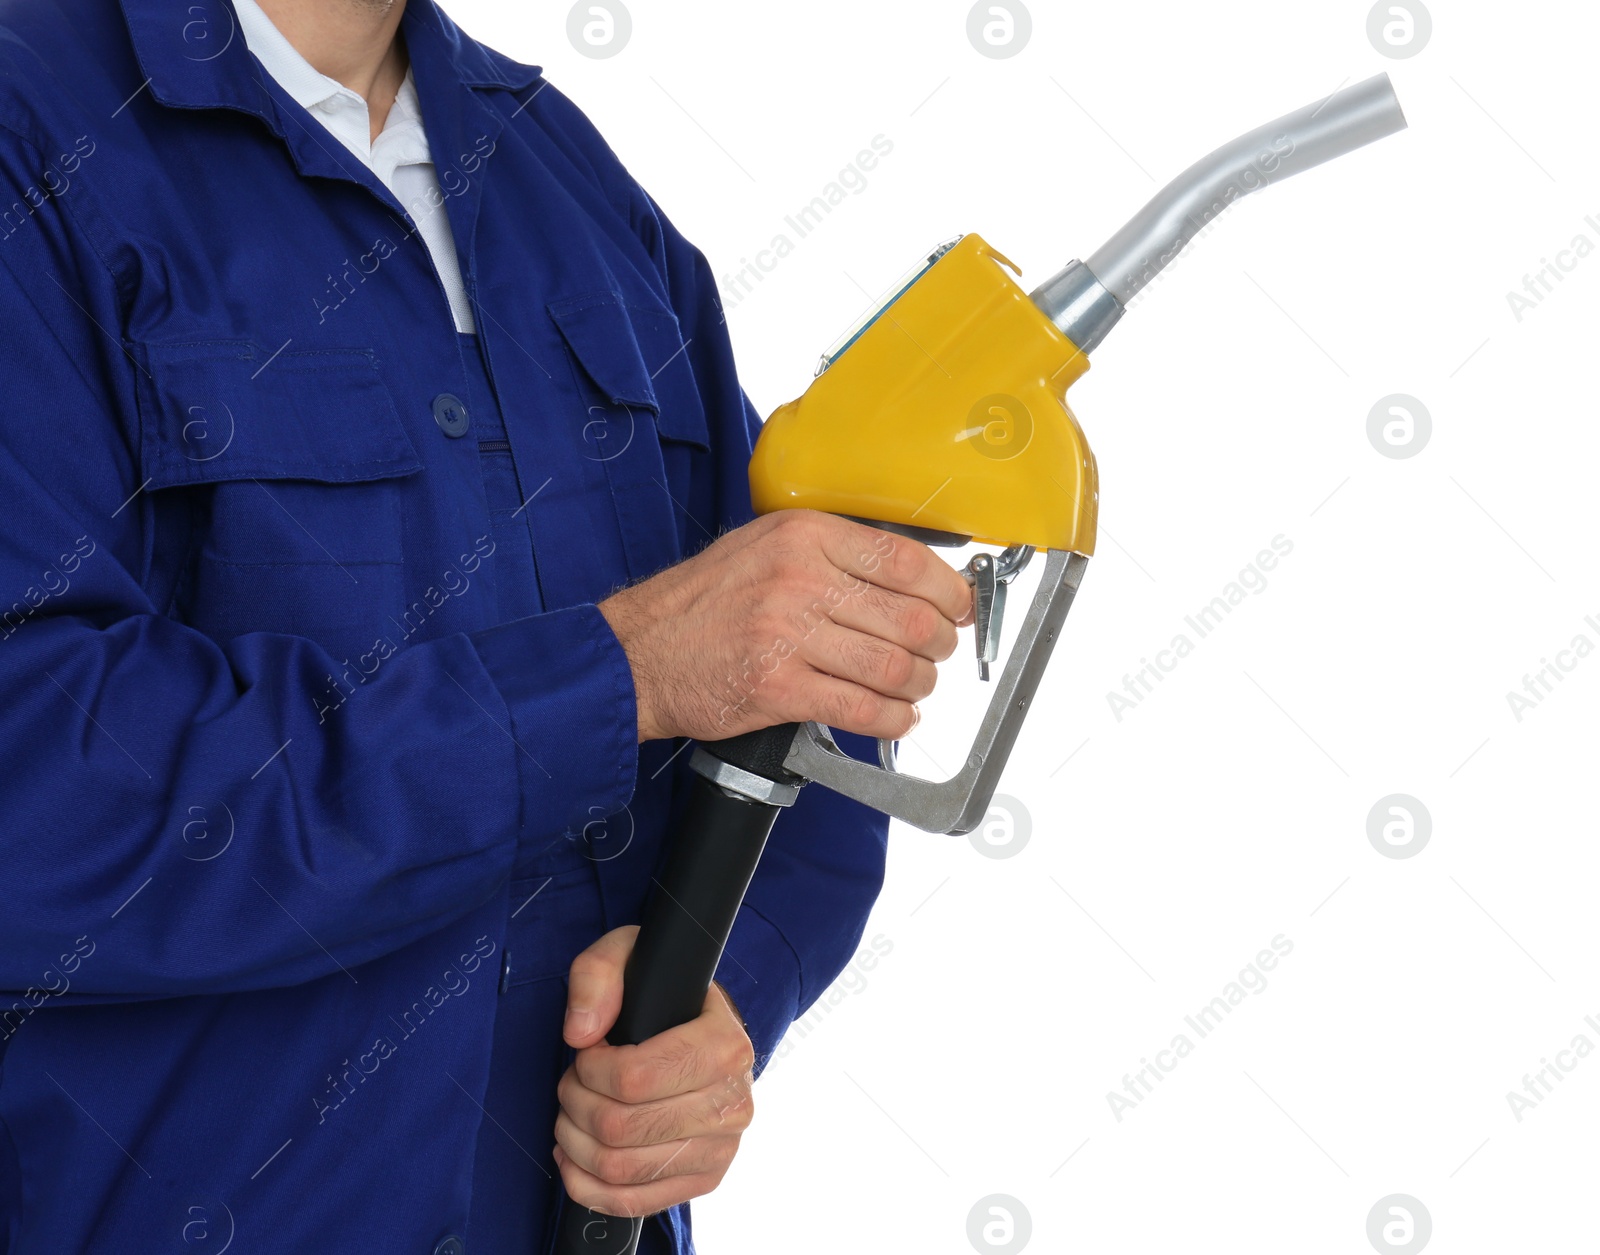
594 987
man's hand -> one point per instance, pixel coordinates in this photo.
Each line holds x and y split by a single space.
798 615
645 1127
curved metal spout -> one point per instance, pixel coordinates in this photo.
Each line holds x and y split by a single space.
1086 298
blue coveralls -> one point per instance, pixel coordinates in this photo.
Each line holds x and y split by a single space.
319 762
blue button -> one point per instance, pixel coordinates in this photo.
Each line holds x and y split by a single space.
450 1245
451 415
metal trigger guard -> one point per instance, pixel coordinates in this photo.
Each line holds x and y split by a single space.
959 804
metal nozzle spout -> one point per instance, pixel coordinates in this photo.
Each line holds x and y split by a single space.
1087 297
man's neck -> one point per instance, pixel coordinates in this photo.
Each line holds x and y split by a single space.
353 42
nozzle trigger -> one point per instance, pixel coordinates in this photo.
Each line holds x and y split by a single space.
989 576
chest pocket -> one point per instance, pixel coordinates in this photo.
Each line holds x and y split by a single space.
292 470
644 422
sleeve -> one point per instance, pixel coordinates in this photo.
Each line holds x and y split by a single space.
823 868
176 805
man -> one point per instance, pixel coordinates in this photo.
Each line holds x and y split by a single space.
350 377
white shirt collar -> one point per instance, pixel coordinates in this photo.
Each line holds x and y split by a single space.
399 157
343 111
297 76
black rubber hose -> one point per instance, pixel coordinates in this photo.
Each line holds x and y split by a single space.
686 924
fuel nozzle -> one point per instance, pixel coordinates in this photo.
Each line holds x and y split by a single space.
1086 298
942 415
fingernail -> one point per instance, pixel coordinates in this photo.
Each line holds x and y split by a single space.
580 1022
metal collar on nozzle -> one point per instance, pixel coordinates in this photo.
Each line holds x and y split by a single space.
1085 299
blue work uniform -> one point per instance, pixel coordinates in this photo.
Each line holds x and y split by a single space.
319 761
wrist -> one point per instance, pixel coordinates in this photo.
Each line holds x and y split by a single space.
614 610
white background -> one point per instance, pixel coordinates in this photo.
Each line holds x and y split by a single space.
1231 805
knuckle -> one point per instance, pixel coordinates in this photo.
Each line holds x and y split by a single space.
921 623
739 1055
785 552
632 1083
735 1114
615 1165
904 559
897 668
783 522
613 1124
765 624
796 528
867 709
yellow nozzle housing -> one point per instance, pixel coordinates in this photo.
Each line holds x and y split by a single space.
947 412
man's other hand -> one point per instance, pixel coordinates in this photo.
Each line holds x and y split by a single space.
645 1127
795 616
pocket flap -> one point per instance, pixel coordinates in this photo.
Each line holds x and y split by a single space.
223 410
636 356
